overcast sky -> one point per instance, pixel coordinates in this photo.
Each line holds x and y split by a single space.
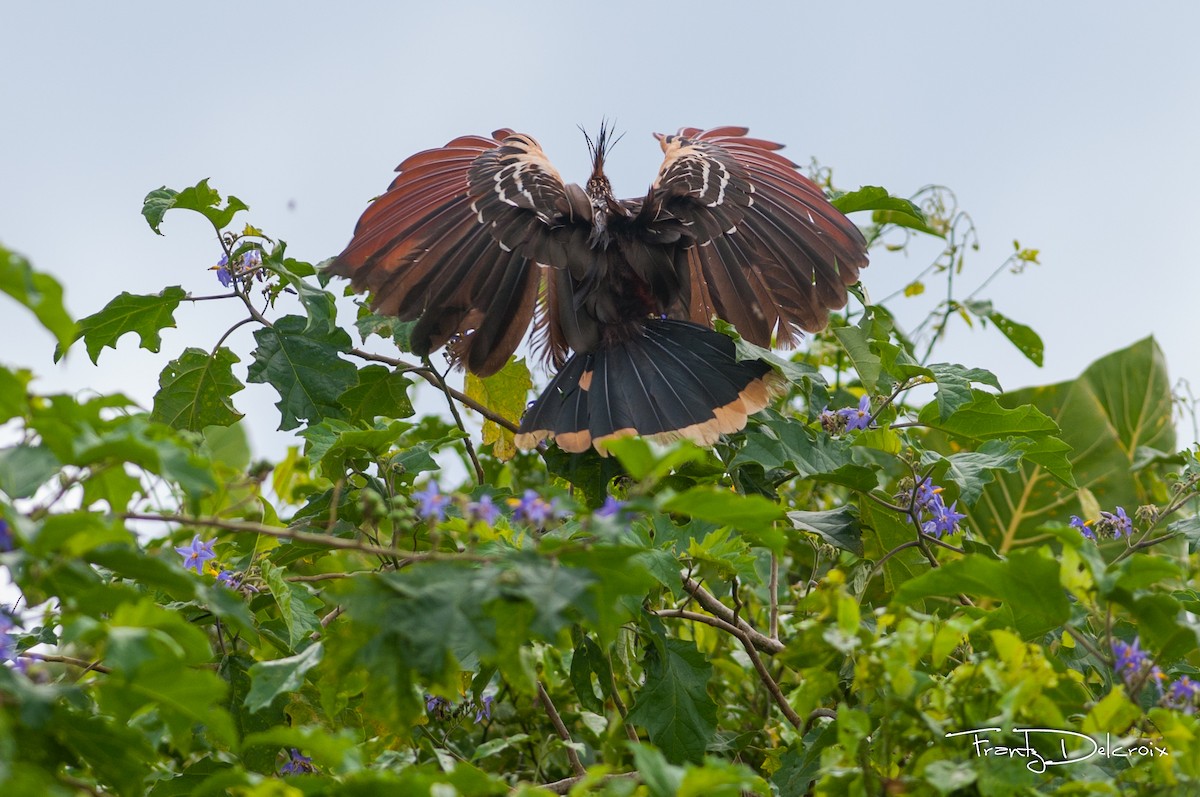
1072 127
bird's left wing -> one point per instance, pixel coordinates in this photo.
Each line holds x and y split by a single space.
454 242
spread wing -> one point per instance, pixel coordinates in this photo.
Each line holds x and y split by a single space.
771 255
455 241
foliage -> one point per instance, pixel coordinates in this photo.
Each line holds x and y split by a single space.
871 589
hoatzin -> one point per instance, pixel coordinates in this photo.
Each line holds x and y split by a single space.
474 240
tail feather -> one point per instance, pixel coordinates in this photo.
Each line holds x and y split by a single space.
673 380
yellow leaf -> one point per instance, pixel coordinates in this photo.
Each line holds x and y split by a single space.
504 393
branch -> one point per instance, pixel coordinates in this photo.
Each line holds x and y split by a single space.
432 378
563 733
564 786
403 557
709 601
442 386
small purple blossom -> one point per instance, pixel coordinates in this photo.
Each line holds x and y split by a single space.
1183 695
484 711
1084 527
431 504
857 417
224 276
533 509
8 643
297 764
196 554
610 508
484 510
6 536
945 520
1119 524
251 260
1134 665
931 511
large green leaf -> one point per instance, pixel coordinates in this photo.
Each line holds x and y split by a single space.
297 606
1120 403
201 198
269 679
145 315
1027 584
673 705
781 442
380 392
305 368
39 292
504 393
195 390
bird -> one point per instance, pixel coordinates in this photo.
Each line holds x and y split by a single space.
479 239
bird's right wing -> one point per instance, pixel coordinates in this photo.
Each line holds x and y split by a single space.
455 241
770 255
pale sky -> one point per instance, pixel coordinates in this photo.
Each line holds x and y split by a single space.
1072 127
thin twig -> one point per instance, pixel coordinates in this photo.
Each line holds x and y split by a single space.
563 733
442 386
773 587
85 665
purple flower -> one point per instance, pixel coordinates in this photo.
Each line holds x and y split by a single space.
485 709
1183 695
1134 665
251 260
484 509
8 643
611 508
297 764
223 274
533 509
431 504
945 519
1083 526
1118 523
196 554
860 417
6 536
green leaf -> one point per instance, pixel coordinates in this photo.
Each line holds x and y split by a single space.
195 390
380 392
1027 584
318 303
269 679
1023 337
1120 404
304 367
954 385
778 442
297 605
40 293
145 315
973 470
14 393
25 468
201 198
589 660
673 704
754 515
504 393
349 444
838 527
866 362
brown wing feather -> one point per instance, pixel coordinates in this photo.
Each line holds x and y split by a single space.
772 254
453 242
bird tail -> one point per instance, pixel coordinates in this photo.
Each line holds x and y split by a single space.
672 380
